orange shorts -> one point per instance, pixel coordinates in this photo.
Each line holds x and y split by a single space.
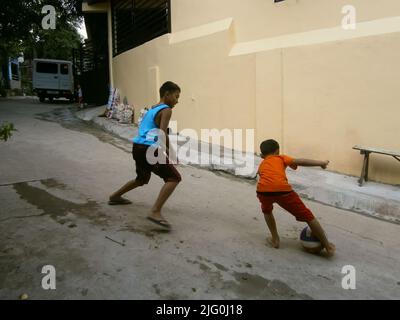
289 201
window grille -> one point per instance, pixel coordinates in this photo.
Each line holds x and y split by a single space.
138 21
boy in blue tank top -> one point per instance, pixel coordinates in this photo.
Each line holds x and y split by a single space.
152 128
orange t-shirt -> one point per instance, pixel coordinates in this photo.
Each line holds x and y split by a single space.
272 174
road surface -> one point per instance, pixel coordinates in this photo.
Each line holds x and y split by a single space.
56 174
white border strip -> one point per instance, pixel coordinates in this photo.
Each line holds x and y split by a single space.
201 31
364 29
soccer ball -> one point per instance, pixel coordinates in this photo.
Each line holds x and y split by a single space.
309 242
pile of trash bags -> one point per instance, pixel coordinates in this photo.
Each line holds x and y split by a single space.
123 112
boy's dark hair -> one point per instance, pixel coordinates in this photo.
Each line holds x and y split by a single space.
168 86
268 147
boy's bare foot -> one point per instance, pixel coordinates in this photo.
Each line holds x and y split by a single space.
330 250
274 242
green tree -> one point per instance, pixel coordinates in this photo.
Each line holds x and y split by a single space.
21 29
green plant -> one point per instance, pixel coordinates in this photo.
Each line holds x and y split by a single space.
6 131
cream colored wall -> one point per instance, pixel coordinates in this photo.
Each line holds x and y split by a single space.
269 96
201 69
318 94
319 101
256 19
338 95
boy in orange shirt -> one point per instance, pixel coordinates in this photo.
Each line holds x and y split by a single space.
273 187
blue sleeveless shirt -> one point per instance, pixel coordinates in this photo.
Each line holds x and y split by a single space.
148 130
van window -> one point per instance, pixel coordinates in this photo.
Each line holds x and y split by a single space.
14 71
45 67
64 68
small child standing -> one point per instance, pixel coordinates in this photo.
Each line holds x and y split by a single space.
273 187
80 97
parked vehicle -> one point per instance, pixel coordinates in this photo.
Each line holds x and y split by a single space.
53 79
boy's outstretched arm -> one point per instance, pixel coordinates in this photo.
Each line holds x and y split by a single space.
311 163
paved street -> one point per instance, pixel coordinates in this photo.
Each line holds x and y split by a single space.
56 173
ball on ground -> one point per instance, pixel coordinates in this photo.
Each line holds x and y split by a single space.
23 296
310 242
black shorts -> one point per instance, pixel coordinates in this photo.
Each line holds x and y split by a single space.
144 169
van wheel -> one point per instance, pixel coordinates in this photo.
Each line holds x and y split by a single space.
41 98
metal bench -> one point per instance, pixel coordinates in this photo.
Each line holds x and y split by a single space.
366 152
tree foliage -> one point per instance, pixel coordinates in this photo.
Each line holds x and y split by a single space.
21 29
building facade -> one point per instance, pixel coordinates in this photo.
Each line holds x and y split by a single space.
294 70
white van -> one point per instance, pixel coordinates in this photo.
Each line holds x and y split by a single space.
53 79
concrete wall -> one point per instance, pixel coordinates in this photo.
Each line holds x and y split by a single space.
256 19
288 70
